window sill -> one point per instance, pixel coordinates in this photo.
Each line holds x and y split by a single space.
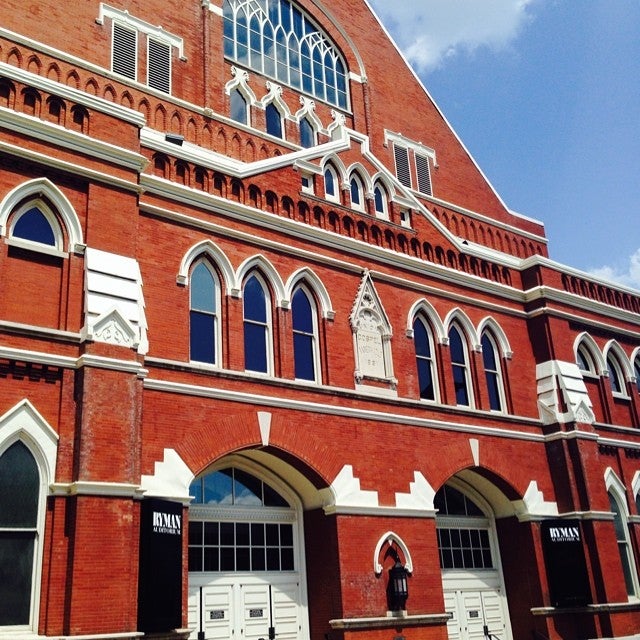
36 247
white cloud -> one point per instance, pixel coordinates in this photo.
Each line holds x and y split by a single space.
430 31
628 276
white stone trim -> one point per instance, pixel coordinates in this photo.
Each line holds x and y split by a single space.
171 479
390 538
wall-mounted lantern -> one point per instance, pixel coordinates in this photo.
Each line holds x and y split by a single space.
398 590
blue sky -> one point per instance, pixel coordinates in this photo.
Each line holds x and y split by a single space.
545 95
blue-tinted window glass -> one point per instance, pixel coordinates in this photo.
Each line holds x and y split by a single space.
424 360
582 361
303 336
355 192
274 121
459 365
202 315
492 373
379 199
255 327
307 134
33 225
238 107
614 376
329 183
636 367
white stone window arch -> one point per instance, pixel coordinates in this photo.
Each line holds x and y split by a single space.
462 340
56 209
241 96
332 183
308 276
618 368
205 321
23 424
618 503
356 191
635 359
381 201
588 355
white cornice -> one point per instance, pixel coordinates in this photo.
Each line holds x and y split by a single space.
69 93
60 137
103 489
67 167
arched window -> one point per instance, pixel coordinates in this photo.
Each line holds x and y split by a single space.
423 341
33 225
624 544
239 108
331 187
357 195
277 39
203 317
19 507
305 331
257 329
307 133
616 378
585 361
460 366
636 369
380 201
274 120
492 372
464 540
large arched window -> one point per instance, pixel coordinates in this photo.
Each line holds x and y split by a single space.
203 316
305 332
425 361
460 367
275 38
492 372
624 543
19 506
257 326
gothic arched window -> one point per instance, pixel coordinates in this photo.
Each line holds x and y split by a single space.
257 326
203 315
460 366
305 332
425 361
277 39
492 372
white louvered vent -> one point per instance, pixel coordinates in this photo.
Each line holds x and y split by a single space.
124 56
402 165
159 76
424 174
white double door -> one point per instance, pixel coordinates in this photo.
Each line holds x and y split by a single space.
477 606
236 607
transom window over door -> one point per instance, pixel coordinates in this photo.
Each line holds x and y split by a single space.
275 38
19 504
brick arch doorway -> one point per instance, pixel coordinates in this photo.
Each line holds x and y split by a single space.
247 574
472 575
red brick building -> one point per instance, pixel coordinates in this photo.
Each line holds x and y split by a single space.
269 341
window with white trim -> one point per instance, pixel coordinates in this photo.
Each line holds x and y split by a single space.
403 171
274 120
616 377
307 133
277 39
423 173
204 325
621 526
257 325
413 162
460 367
304 319
380 201
239 107
636 369
492 372
159 65
357 193
124 52
585 360
35 226
19 509
331 184
425 361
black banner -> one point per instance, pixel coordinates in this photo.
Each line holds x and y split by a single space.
160 573
566 566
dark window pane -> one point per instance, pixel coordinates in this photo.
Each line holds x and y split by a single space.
255 303
286 535
227 559
273 559
211 533
33 225
19 487
258 562
195 533
242 559
16 568
202 337
303 357
257 534
302 312
274 121
286 560
242 533
195 558
306 134
238 107
272 535
272 498
255 348
329 183
227 533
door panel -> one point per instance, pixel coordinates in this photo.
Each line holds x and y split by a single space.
471 610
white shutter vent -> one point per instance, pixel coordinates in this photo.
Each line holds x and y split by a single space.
424 174
159 66
402 165
124 51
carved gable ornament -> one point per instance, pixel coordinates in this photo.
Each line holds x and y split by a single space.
371 336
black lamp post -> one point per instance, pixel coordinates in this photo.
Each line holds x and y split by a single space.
398 590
